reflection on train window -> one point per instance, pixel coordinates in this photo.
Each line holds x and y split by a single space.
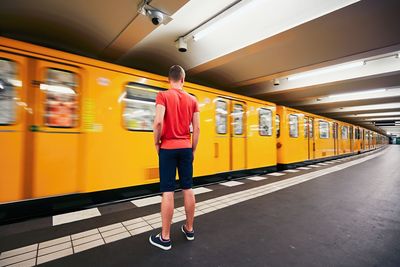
221 116
60 99
306 130
344 132
8 107
139 109
323 129
278 125
293 125
311 127
237 117
265 121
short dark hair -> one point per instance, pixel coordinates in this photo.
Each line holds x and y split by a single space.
176 73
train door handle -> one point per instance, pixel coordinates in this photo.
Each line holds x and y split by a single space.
313 146
216 150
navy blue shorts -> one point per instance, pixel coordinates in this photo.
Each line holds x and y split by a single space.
169 161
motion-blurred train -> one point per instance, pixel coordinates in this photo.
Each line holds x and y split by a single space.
71 124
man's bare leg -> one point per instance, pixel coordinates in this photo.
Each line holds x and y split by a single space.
190 203
167 211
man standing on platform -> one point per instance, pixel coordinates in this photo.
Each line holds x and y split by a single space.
175 111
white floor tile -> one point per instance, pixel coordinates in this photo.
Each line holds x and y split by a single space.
18 258
156 225
256 178
28 263
110 227
201 190
276 174
89 245
84 234
136 225
314 166
113 232
75 216
86 239
147 201
133 221
152 216
231 183
55 248
55 242
116 237
55 255
18 251
141 230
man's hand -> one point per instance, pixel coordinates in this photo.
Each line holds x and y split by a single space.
158 148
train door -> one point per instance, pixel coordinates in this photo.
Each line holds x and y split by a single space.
310 134
336 138
238 135
13 106
53 148
351 139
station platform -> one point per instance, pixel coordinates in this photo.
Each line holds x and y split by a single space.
342 212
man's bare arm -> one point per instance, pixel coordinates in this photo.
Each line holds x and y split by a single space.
158 123
196 130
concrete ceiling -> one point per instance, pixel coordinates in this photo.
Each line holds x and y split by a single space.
262 41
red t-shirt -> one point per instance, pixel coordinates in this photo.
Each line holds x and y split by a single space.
179 109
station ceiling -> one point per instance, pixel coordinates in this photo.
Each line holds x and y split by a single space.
338 58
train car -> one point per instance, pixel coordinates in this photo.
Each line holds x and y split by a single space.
306 137
71 124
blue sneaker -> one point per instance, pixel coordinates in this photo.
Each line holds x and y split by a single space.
189 235
156 240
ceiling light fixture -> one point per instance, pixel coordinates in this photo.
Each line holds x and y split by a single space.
223 17
358 93
326 70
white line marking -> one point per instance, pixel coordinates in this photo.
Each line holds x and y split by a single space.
219 202
201 190
276 174
291 171
75 216
303 168
256 178
314 166
147 201
231 183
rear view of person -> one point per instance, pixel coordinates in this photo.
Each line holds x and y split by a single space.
175 111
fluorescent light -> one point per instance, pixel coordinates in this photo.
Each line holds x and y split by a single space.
325 70
223 18
358 93
377 114
383 119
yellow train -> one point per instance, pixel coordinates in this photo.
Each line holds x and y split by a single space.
70 124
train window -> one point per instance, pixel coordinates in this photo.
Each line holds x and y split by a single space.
311 125
140 108
293 126
345 130
237 116
278 125
306 125
221 116
323 130
8 107
265 122
60 99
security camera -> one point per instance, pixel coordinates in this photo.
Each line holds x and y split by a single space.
156 16
276 82
181 44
